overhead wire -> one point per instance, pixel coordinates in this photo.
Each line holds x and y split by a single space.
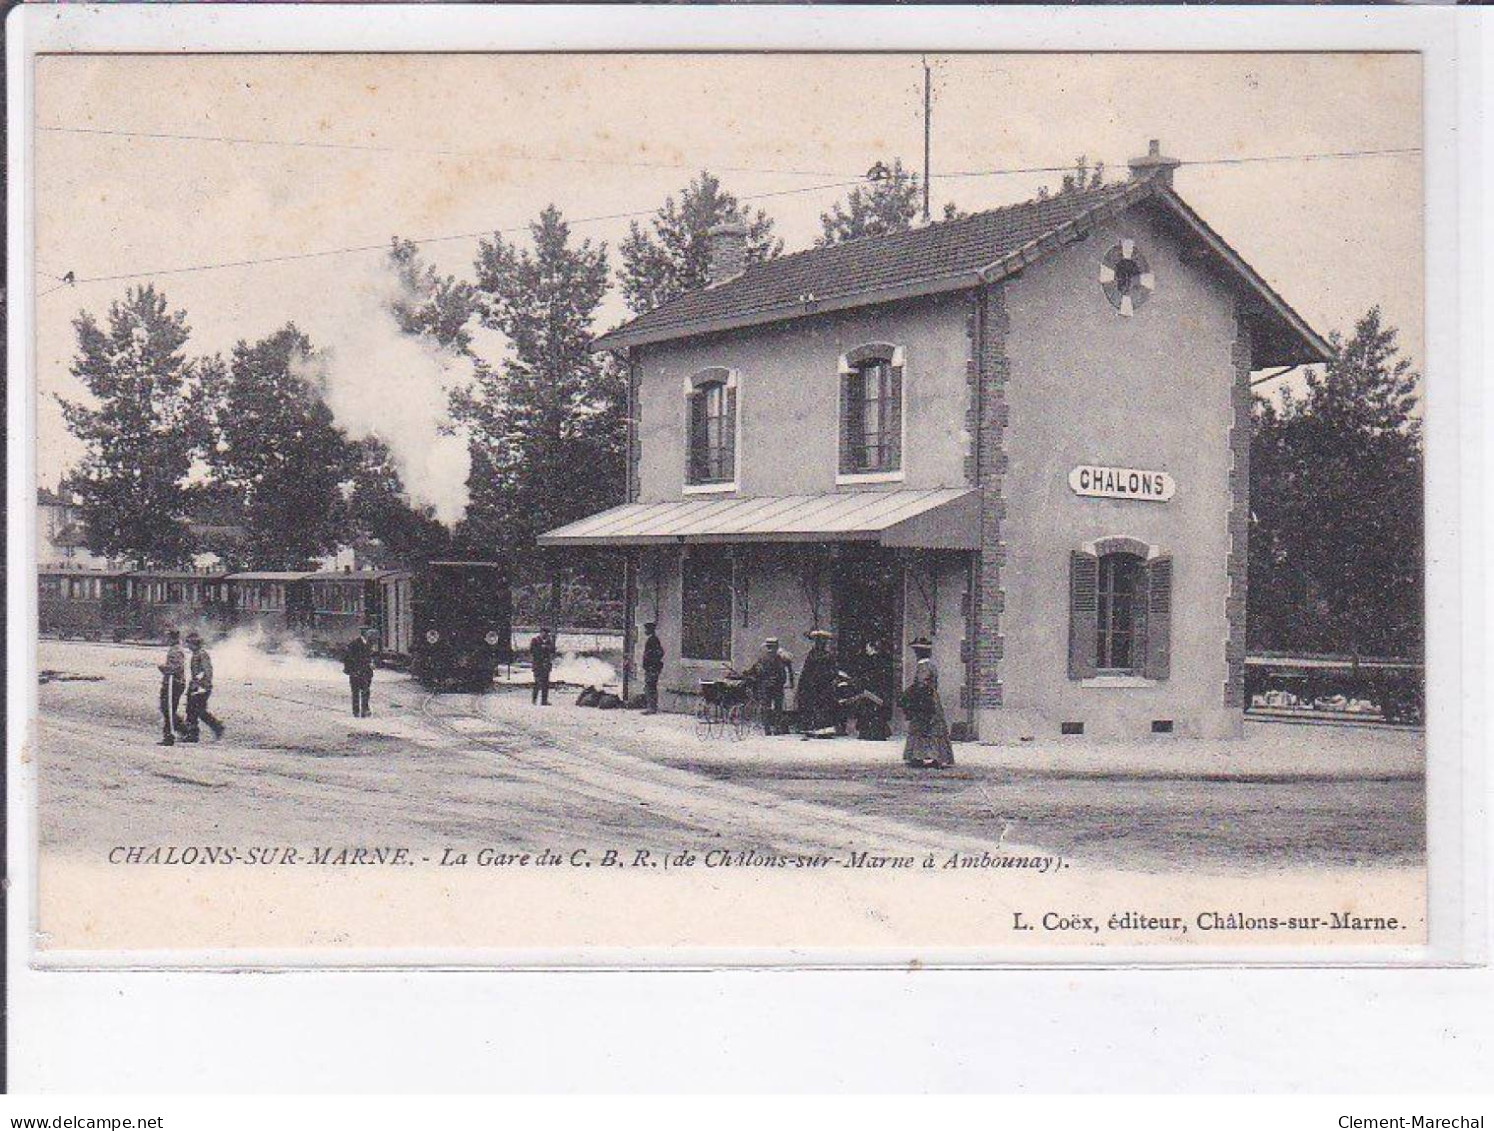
384 246
489 154
290 257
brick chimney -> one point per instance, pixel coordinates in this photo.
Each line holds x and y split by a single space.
727 250
1153 165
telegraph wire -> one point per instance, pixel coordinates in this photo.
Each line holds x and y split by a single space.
508 155
1344 154
489 154
323 253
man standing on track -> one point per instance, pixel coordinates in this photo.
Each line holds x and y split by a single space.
653 664
199 690
357 664
173 682
541 659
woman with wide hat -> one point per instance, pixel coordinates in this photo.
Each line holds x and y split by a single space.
928 731
815 696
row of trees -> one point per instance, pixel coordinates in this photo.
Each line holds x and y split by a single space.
1336 471
249 443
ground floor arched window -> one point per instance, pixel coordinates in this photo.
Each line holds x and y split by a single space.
1120 610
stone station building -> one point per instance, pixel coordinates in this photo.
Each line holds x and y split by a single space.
1024 434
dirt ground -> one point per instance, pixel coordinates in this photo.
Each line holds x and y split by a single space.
295 767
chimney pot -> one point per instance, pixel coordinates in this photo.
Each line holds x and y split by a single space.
1153 165
726 250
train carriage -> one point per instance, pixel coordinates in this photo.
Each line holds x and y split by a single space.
85 603
1395 688
396 620
156 600
342 602
274 600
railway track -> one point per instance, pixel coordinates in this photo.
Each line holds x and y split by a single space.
754 817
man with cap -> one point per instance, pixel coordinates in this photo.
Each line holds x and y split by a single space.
816 695
199 690
768 675
357 665
653 664
541 660
173 683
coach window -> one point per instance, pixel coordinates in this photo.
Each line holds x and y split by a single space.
871 413
711 430
705 605
1120 611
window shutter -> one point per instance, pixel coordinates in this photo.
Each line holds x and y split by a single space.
1084 627
1158 618
894 418
729 436
848 431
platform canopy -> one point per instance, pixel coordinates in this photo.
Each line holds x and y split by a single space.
939 519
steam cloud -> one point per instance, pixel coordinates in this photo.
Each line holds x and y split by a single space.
382 382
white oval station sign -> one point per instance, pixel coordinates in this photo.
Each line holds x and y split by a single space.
1121 483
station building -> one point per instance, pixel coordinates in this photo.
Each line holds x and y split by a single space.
1024 434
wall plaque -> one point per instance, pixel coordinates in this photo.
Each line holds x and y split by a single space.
1121 483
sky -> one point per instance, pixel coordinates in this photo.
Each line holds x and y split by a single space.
360 148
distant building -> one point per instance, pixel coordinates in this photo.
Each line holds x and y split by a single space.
60 537
1024 434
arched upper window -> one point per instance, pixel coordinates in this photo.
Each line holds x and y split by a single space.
871 410
712 427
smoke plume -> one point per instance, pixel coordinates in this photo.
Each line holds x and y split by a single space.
382 382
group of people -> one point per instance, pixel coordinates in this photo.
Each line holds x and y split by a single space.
830 696
192 680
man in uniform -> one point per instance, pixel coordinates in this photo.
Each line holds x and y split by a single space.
768 675
173 683
541 659
357 664
653 664
199 690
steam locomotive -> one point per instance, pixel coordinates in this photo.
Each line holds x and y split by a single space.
450 622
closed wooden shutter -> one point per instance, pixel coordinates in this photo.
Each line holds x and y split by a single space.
1084 590
894 418
1158 618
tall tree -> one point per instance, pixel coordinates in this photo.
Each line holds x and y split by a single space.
1083 177
674 256
140 433
1336 497
276 445
890 201
428 303
546 426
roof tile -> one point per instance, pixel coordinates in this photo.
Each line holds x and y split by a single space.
874 263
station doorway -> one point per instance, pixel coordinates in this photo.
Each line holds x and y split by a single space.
868 587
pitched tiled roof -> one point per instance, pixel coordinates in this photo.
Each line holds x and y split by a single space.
872 263
949 255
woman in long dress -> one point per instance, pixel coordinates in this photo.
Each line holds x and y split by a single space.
928 732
